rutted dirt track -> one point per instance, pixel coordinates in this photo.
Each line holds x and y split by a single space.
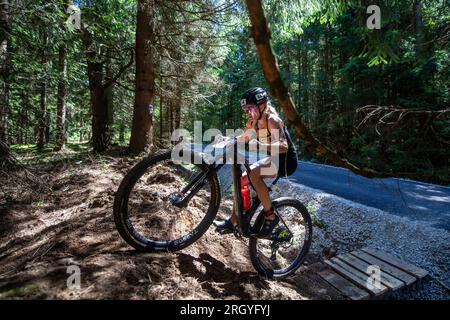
68 221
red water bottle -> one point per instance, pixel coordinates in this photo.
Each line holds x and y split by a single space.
245 192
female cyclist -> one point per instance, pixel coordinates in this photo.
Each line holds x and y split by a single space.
264 131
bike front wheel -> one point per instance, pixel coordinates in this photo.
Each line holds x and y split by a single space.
147 209
284 252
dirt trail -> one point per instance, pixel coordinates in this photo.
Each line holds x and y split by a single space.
70 222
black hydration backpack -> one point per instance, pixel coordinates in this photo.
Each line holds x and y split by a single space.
292 151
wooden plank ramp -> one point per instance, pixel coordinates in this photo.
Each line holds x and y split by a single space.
369 273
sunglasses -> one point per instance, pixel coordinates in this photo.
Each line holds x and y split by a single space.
249 107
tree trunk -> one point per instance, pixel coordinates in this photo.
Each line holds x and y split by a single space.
329 98
299 74
419 27
25 125
109 95
261 37
161 117
305 89
99 105
342 103
42 115
81 127
167 121
5 69
177 113
61 99
7 161
288 64
171 107
42 120
161 101
101 138
122 132
141 131
101 94
48 122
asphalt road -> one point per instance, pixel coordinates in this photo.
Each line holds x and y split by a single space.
402 197
408 198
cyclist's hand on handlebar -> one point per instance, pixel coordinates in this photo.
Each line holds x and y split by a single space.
219 138
253 144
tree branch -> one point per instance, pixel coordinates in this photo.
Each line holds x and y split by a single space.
393 115
120 72
261 37
124 86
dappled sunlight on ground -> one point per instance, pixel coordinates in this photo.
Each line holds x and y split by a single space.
67 220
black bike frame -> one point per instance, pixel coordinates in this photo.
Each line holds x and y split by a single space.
244 217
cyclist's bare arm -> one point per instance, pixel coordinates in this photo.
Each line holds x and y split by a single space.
249 133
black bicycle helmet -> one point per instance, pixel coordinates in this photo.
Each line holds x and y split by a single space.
254 95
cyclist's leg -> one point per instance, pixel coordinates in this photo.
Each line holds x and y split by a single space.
265 168
257 176
260 170
269 220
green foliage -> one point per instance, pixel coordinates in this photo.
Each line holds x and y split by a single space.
19 292
345 66
205 59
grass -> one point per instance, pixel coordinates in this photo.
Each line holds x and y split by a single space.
19 291
40 203
316 221
29 154
48 148
319 223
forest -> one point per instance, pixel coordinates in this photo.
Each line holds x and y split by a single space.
377 97
90 88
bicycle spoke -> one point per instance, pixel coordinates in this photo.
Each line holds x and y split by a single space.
150 210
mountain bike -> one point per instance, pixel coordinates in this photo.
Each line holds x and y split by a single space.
163 205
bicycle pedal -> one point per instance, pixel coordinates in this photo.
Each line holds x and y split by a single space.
237 232
223 231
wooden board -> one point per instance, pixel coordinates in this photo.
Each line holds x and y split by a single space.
352 276
386 267
386 279
355 276
405 266
344 286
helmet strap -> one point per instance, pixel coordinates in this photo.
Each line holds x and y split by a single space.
261 112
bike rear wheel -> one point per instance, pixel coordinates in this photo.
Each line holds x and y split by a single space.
146 213
281 255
